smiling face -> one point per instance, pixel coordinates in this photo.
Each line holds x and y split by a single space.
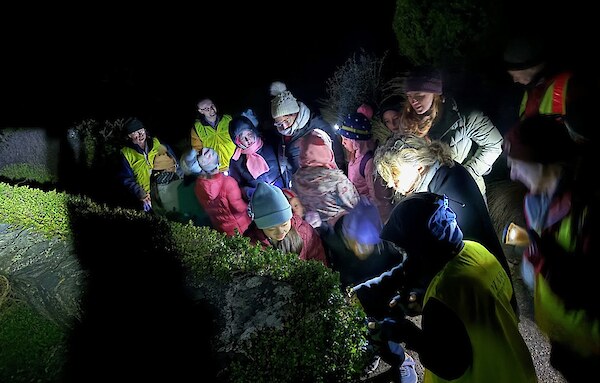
278 232
138 137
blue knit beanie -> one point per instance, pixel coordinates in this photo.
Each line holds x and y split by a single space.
363 223
356 126
269 206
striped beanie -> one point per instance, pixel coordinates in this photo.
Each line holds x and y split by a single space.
356 126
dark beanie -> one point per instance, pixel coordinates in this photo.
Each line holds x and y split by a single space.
424 80
132 124
523 52
356 126
540 138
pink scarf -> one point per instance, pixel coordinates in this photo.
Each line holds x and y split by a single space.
255 162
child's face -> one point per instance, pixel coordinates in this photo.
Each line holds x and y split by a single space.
278 233
297 207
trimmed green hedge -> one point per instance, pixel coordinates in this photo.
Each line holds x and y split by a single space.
324 337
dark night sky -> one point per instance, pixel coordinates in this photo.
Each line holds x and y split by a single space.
155 63
63 65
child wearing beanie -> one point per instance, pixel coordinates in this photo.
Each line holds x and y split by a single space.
275 225
220 196
356 133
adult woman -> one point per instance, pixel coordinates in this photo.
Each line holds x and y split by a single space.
474 140
411 164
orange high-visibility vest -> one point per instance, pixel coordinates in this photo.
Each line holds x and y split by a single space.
553 100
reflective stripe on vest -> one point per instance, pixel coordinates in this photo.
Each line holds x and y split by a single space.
553 100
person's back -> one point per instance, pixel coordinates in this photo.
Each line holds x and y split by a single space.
466 310
220 196
319 184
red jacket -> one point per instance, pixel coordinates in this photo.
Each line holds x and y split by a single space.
221 197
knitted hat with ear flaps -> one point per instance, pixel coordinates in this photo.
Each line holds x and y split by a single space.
270 207
132 124
283 102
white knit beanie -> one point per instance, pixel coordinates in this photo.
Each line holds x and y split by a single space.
283 102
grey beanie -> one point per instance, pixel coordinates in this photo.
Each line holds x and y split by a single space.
269 206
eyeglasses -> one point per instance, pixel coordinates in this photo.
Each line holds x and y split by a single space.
286 121
208 108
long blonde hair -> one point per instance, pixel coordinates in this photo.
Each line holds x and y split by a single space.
419 125
410 149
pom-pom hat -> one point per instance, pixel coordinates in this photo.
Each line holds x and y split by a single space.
283 102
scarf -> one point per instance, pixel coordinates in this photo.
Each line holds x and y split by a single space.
301 120
255 162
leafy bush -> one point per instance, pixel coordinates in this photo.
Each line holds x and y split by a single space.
32 348
28 172
323 336
447 33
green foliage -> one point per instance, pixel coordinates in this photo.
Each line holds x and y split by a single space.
32 348
320 344
28 172
101 141
446 33
323 335
355 82
44 212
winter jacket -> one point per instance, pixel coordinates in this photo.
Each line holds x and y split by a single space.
239 171
221 198
137 165
475 142
289 147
